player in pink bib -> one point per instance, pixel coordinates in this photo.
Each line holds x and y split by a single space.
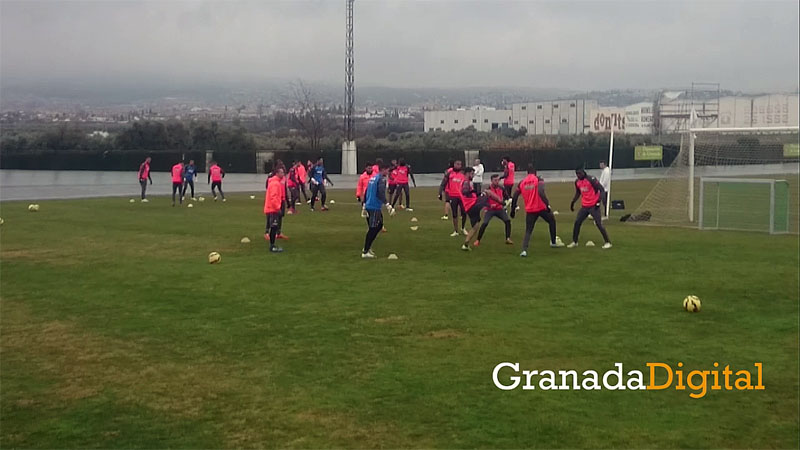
177 182
589 190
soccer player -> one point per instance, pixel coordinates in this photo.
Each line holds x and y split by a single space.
478 178
215 176
273 205
473 202
293 184
508 175
144 175
605 181
451 184
392 179
302 178
189 175
363 180
446 199
375 199
318 177
494 209
589 190
177 182
536 205
402 173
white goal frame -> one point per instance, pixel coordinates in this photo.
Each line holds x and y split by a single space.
693 132
771 183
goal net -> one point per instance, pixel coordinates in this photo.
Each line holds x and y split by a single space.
726 153
748 204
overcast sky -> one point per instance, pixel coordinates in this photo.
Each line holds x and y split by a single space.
750 45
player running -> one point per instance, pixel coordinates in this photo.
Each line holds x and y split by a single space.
473 202
273 205
494 209
451 185
144 175
402 173
302 178
375 199
509 168
189 175
177 182
318 177
363 180
589 190
531 188
215 176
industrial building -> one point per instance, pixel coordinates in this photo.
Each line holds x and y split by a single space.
670 113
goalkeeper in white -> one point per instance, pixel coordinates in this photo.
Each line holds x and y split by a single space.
375 200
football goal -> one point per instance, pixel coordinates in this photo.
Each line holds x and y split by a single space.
736 174
747 204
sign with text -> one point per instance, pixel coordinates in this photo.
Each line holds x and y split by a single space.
648 153
606 119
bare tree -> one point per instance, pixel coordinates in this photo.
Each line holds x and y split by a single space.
309 114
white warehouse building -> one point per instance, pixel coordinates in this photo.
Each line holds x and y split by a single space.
482 119
553 117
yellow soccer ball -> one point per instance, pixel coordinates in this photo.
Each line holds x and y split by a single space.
214 258
691 303
33 207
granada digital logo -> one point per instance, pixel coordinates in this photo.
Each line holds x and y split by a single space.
508 376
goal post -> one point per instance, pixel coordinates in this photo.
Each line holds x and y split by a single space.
744 204
769 153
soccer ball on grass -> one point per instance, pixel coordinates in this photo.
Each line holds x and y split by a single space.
214 258
691 303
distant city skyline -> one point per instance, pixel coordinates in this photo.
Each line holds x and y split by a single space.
749 46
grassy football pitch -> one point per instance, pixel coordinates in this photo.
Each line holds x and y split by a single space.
116 332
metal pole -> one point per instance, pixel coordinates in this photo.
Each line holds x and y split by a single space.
610 162
691 176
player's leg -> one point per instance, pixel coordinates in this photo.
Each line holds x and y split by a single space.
143 183
214 189
598 221
548 217
324 195
219 186
486 218
407 192
272 232
530 222
454 202
191 185
503 215
175 188
583 213
463 217
393 198
314 189
375 225
446 206
303 190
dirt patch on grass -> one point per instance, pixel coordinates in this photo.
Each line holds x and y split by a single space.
390 319
444 334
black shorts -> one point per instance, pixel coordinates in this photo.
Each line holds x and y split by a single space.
273 219
474 214
392 188
374 218
446 197
455 204
216 184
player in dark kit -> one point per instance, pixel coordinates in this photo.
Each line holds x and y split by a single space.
318 176
451 186
189 175
374 200
590 191
531 188
495 209
473 202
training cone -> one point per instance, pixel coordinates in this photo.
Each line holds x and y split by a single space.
132 201
252 197
332 202
414 219
245 240
414 228
555 213
201 199
392 256
190 205
589 244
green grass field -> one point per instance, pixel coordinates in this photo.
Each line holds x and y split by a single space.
116 332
